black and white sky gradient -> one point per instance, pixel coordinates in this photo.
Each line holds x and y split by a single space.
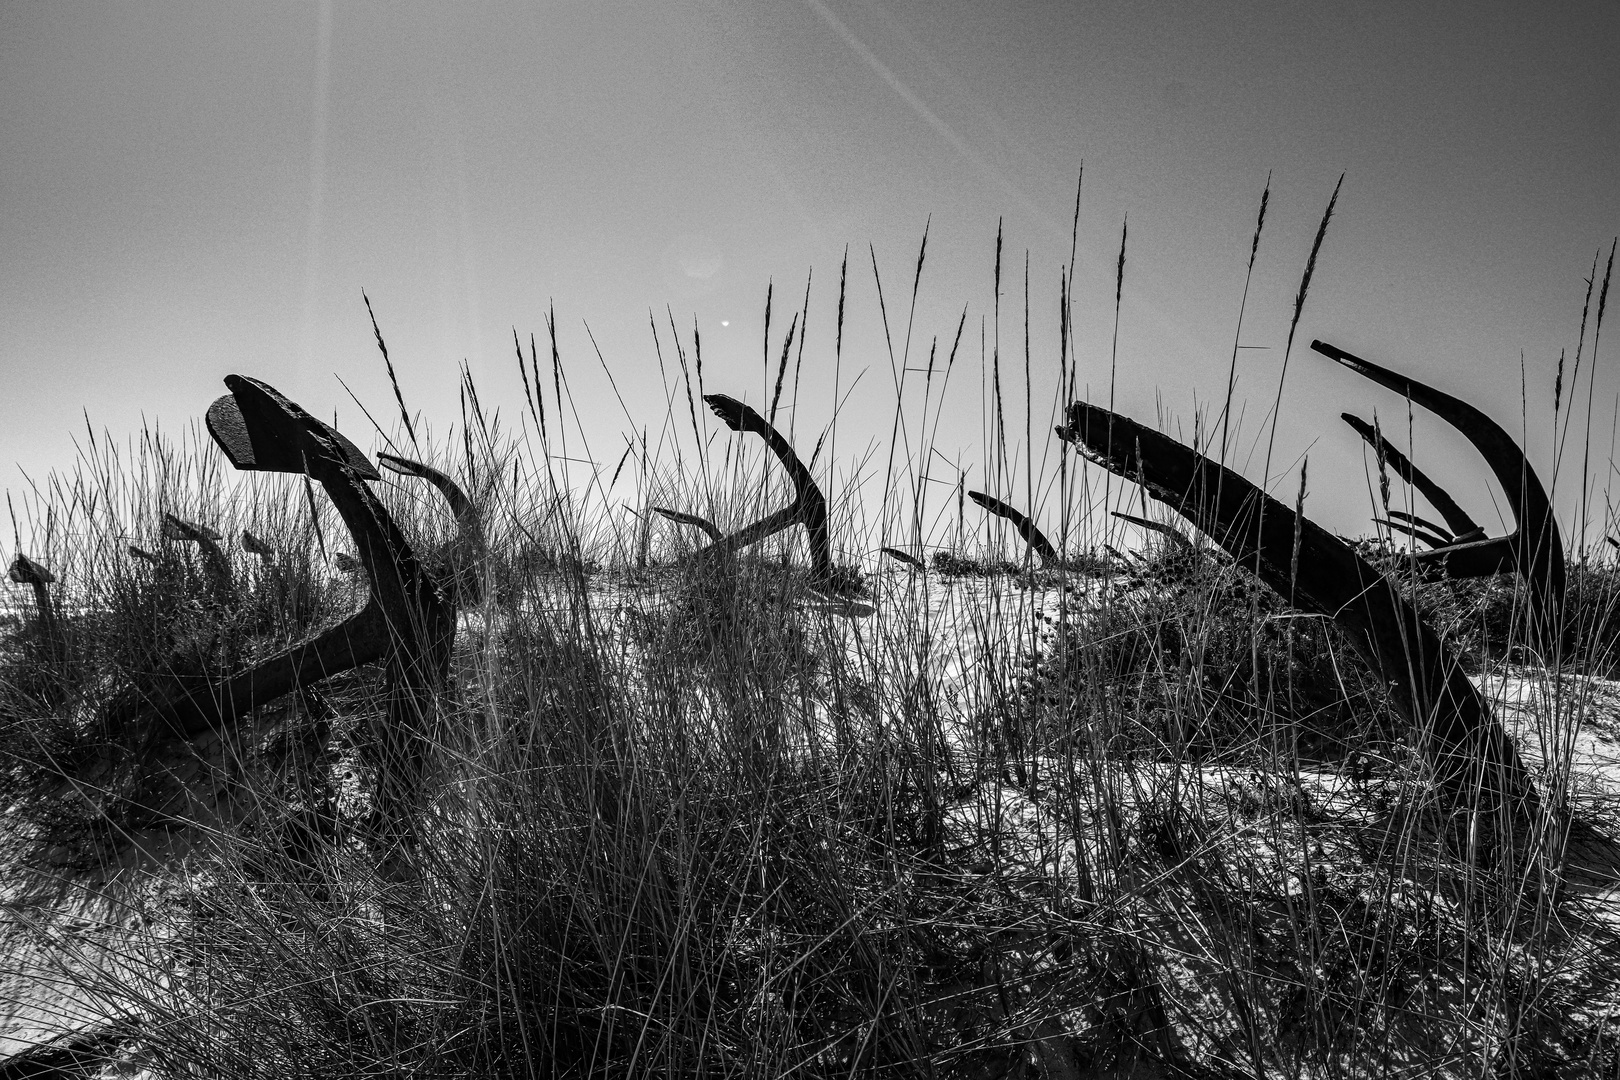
193 189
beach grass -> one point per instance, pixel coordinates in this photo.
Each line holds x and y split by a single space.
1126 814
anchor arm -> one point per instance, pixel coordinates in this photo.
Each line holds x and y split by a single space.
462 580
207 541
1175 535
1416 532
466 515
1538 550
1437 531
1026 528
1456 518
707 527
194 704
1466 747
904 557
809 506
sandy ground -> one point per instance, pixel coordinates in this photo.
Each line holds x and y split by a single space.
95 910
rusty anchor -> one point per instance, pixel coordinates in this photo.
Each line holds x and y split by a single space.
1468 751
1534 550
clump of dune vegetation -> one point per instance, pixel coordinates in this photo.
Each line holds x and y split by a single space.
1122 812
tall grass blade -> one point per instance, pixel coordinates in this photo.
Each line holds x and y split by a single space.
393 380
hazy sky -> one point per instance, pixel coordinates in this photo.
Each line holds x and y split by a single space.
189 190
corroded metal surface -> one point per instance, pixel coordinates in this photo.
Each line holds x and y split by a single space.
1443 534
1416 531
1174 535
904 557
460 574
25 571
1534 550
1459 523
406 622
1319 573
703 524
809 506
460 505
254 546
214 558
1026 528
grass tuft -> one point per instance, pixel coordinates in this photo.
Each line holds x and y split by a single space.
1126 814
